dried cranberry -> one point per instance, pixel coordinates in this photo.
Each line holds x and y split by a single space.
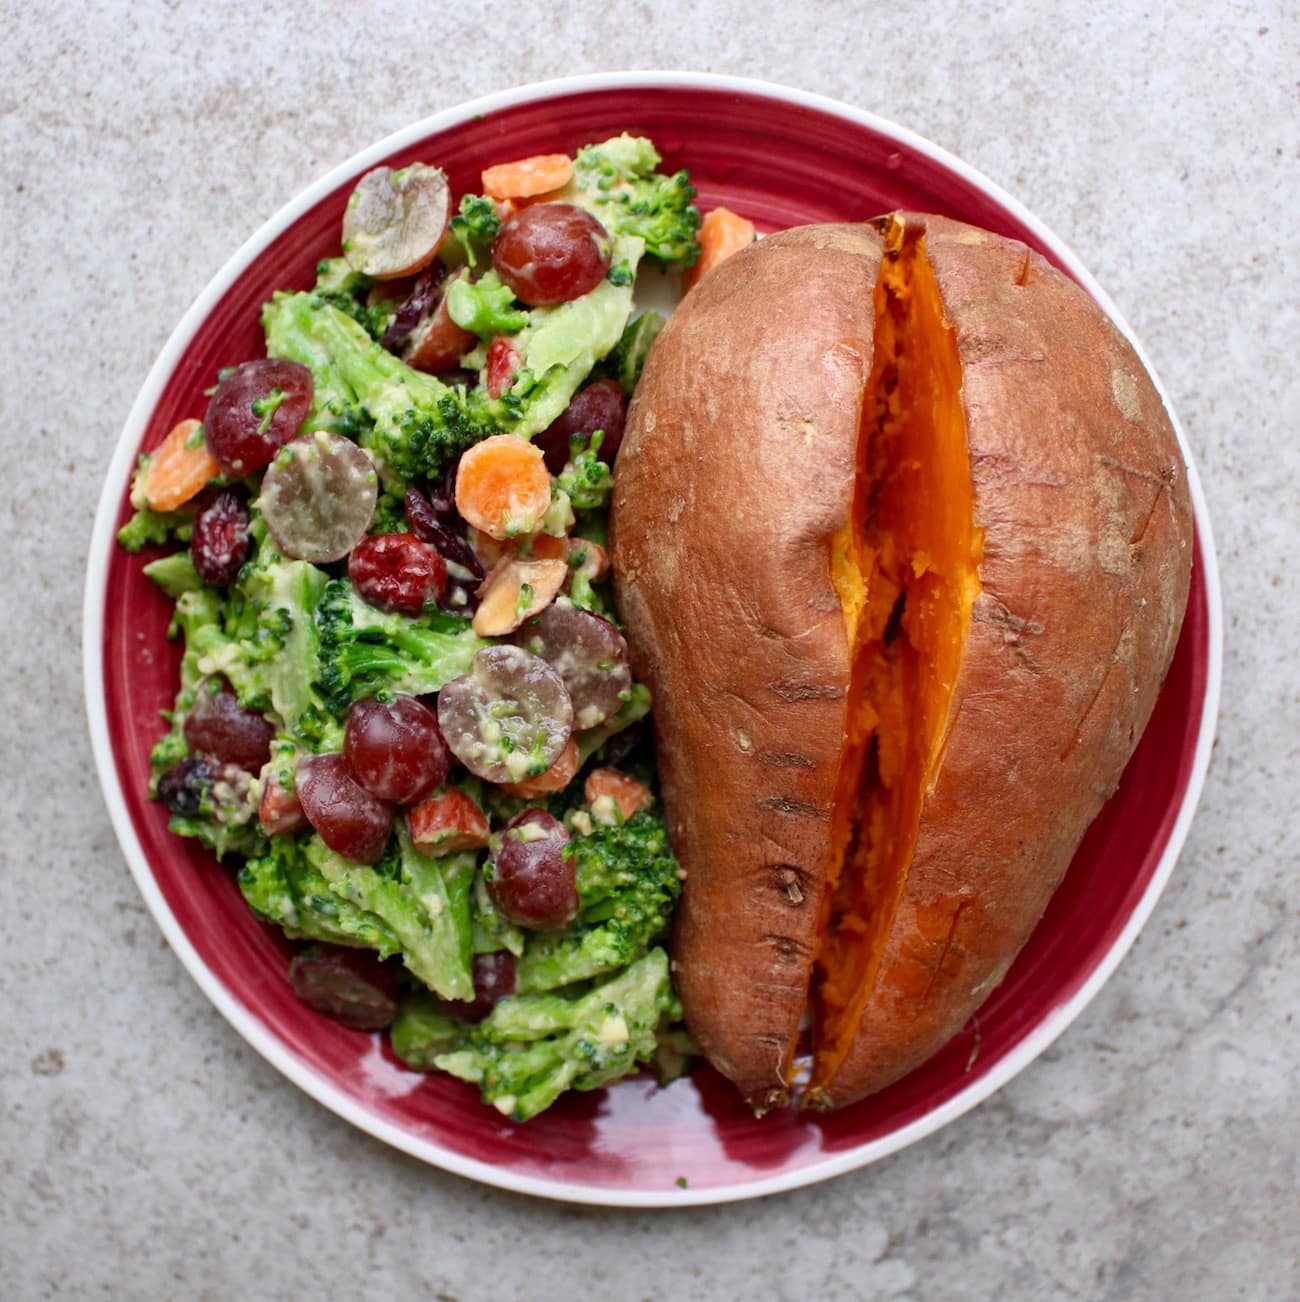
184 785
220 542
422 299
426 526
397 572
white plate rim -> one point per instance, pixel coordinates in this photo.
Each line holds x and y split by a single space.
320 1087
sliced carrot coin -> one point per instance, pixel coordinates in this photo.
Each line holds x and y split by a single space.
180 468
526 178
502 486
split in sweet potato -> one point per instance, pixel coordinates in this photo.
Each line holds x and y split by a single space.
907 574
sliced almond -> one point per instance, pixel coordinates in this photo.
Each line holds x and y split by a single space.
447 822
517 590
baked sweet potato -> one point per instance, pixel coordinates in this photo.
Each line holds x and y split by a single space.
902 539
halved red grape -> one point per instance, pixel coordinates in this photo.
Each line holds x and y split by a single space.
394 748
600 406
532 881
588 653
395 221
318 497
397 572
218 725
254 412
551 253
509 717
350 985
350 820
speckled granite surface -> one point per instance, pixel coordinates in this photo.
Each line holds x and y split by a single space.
146 1152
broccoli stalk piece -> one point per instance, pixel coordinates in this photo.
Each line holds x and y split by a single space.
423 1030
617 183
283 886
412 424
423 902
197 613
627 886
267 647
531 1048
364 651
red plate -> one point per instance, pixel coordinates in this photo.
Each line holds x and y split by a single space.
781 157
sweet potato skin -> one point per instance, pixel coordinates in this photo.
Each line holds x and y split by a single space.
1082 495
736 472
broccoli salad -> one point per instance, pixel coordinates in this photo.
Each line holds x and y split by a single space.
406 708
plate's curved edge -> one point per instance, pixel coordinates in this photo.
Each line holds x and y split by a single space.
318 1086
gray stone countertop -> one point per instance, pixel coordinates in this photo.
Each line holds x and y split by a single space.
146 1152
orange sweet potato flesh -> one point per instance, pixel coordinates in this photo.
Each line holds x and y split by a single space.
902 540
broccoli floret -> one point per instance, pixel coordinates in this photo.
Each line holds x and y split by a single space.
616 182
627 886
423 902
531 1048
412 424
341 285
284 887
158 527
475 226
364 650
586 478
485 306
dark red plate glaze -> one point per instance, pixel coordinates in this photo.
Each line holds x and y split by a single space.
780 161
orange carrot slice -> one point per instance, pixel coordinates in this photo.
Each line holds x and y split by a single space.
180 468
722 233
526 178
502 487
